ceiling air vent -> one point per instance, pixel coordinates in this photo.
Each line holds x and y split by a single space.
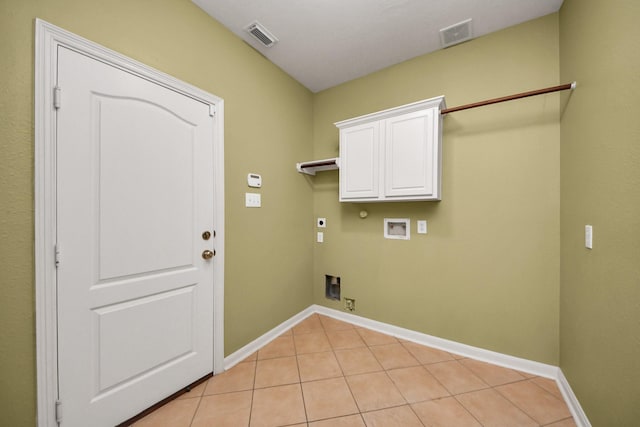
456 33
260 33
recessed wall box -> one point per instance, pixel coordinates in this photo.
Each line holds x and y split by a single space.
332 287
254 180
397 228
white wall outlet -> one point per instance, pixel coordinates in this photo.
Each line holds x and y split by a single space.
321 222
588 236
320 237
252 200
422 227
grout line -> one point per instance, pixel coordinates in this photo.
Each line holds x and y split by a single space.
304 402
465 408
253 388
193 417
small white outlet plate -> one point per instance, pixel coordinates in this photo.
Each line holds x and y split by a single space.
422 227
321 222
588 236
252 200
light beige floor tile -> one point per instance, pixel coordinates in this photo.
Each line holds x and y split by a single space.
224 410
455 377
392 356
375 338
374 391
320 350
196 391
347 338
279 347
277 406
318 366
177 413
331 324
348 421
527 375
569 422
252 358
328 399
416 384
400 416
538 403
311 342
238 378
492 374
447 412
426 355
357 361
310 324
280 371
493 410
548 385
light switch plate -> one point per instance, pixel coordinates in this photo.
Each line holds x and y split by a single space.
320 237
252 200
422 227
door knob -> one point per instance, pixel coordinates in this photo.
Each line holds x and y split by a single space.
207 254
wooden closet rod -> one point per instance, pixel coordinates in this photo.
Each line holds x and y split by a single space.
510 97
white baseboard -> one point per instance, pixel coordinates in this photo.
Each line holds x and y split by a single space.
512 362
578 413
495 358
246 351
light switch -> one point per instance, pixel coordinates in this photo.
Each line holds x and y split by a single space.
422 227
252 200
320 237
588 236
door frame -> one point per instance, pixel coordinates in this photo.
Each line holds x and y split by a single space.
48 38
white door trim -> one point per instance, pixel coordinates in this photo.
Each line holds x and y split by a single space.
48 38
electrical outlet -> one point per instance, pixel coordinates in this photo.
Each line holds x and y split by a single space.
350 304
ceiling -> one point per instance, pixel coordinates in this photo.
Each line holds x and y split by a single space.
323 43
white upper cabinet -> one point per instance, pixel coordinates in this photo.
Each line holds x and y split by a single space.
392 155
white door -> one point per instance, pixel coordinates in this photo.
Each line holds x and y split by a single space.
359 161
410 156
134 196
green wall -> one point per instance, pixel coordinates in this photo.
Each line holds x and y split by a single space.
268 122
600 164
503 266
487 272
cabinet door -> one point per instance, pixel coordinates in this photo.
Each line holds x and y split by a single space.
359 161
412 156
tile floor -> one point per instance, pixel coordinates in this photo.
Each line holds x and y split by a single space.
328 373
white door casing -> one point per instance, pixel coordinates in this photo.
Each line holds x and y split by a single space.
136 320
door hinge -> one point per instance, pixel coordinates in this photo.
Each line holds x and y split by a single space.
57 93
212 110
58 411
56 252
